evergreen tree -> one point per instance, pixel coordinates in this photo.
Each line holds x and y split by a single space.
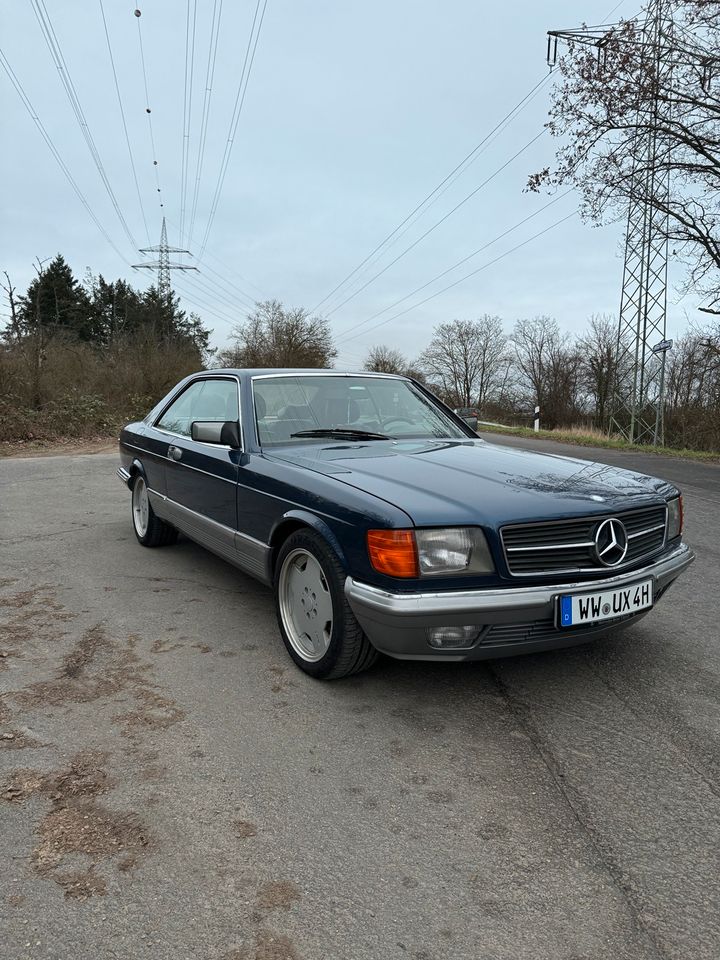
116 307
55 302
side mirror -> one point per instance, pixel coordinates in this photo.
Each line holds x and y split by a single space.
216 431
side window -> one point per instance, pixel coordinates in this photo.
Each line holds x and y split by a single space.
203 400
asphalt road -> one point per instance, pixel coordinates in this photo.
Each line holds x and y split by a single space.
172 787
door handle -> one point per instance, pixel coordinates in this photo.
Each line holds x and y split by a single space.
175 453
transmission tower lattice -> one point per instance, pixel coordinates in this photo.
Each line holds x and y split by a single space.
163 265
637 404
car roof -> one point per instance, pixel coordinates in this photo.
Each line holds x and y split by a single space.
293 371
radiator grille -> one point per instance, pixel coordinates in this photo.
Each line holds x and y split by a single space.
567 546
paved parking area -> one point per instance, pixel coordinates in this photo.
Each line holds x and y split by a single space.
172 787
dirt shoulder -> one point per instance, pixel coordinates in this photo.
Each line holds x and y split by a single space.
56 448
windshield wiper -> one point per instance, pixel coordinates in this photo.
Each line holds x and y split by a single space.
342 433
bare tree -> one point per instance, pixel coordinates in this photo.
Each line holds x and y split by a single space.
276 336
692 414
12 332
598 349
466 360
602 110
383 359
548 366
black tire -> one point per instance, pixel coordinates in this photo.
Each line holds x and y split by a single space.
149 529
349 650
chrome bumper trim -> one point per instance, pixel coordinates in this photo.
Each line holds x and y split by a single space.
124 475
396 622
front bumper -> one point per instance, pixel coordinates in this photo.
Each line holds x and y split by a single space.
124 475
514 620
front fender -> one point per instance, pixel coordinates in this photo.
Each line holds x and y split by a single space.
292 519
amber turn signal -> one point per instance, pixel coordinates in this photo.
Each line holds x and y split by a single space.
393 552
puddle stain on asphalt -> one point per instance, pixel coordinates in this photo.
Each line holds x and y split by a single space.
278 895
82 842
98 668
244 829
268 946
77 823
78 833
37 618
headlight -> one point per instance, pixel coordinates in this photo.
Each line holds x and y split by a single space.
429 553
674 518
453 550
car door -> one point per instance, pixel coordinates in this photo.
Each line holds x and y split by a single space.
201 478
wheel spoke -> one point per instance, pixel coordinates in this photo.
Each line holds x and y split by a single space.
306 605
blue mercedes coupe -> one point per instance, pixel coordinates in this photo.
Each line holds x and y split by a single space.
384 524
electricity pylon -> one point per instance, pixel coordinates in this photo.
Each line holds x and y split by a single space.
637 403
163 264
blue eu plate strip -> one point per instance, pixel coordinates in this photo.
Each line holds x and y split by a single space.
566 611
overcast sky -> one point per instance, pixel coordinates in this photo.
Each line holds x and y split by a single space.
354 112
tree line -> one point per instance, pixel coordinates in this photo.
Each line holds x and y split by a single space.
82 357
475 363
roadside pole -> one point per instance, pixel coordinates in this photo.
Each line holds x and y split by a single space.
537 419
659 436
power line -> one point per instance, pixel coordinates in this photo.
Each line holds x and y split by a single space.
53 149
459 263
237 110
228 269
499 130
203 306
148 111
232 289
221 295
53 45
220 310
233 272
122 115
467 276
446 180
187 110
437 223
205 118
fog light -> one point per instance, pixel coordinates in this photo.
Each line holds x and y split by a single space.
452 638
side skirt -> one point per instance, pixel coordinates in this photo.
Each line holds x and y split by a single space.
246 553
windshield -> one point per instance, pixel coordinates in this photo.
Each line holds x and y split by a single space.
286 406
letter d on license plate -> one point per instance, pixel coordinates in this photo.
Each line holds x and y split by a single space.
577 609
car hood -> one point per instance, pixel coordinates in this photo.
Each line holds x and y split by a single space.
471 482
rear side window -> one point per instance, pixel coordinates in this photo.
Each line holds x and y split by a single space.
215 400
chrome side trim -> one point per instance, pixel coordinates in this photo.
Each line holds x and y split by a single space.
243 551
145 452
184 436
177 393
180 463
326 373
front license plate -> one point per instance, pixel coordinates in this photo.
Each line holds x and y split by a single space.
577 609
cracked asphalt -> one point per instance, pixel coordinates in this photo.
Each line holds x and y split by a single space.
172 787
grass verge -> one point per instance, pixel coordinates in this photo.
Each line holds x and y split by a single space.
580 439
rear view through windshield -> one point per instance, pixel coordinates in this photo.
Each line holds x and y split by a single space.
396 408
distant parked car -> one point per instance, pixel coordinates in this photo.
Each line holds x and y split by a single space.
383 523
469 415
